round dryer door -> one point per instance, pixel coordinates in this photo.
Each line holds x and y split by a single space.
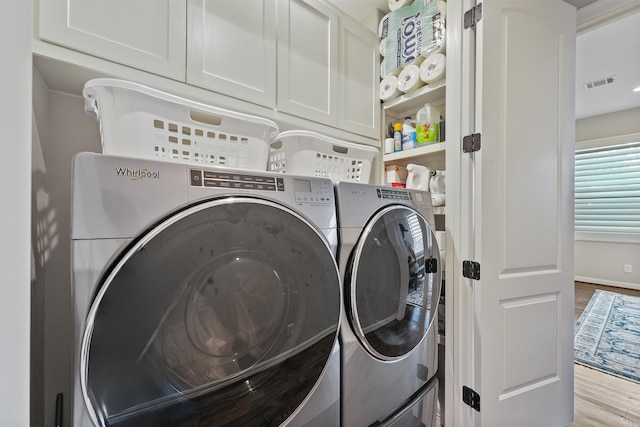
393 282
225 313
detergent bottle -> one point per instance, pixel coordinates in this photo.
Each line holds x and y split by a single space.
408 135
418 177
427 120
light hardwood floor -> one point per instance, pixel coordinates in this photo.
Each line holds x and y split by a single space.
602 400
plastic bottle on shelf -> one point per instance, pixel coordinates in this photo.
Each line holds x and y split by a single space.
397 137
408 135
418 177
427 120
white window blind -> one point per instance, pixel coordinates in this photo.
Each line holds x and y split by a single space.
607 190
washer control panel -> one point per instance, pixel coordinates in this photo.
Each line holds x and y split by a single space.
306 191
217 179
312 191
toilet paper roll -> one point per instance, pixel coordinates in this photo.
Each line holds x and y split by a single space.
433 68
397 4
389 88
409 79
382 47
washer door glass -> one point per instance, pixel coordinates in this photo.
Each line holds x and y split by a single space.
224 314
393 282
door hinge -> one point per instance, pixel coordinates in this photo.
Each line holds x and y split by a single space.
471 143
473 16
471 270
431 265
471 398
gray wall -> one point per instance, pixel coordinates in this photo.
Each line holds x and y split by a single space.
61 129
603 262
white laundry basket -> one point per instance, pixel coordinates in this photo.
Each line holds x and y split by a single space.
138 121
307 153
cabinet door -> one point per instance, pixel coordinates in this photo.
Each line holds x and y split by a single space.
517 317
307 60
232 48
149 34
359 80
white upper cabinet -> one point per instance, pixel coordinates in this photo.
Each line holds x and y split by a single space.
359 80
231 48
147 35
307 60
298 57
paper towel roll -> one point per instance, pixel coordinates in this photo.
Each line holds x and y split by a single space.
389 88
397 4
418 61
409 79
388 68
433 68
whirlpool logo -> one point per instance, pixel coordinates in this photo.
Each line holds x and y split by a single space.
137 174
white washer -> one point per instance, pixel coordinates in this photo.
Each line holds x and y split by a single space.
390 262
203 296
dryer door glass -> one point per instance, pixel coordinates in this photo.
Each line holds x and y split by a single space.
394 282
223 314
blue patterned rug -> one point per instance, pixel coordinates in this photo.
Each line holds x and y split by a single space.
607 335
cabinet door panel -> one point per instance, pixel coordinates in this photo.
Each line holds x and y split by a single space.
232 48
307 53
149 35
359 77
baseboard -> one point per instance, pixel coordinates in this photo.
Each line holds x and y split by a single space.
607 283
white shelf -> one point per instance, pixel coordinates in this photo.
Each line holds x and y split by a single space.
413 101
436 148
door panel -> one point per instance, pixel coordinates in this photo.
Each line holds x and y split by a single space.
359 75
522 214
232 48
149 35
307 60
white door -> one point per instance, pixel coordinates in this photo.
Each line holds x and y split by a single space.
517 217
232 48
149 35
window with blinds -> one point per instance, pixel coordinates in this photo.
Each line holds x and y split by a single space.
607 191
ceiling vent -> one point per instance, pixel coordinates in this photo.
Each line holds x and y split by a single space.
599 82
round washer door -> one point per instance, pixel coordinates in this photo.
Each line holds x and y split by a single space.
223 314
393 282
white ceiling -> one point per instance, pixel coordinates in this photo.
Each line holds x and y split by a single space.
606 51
608 44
